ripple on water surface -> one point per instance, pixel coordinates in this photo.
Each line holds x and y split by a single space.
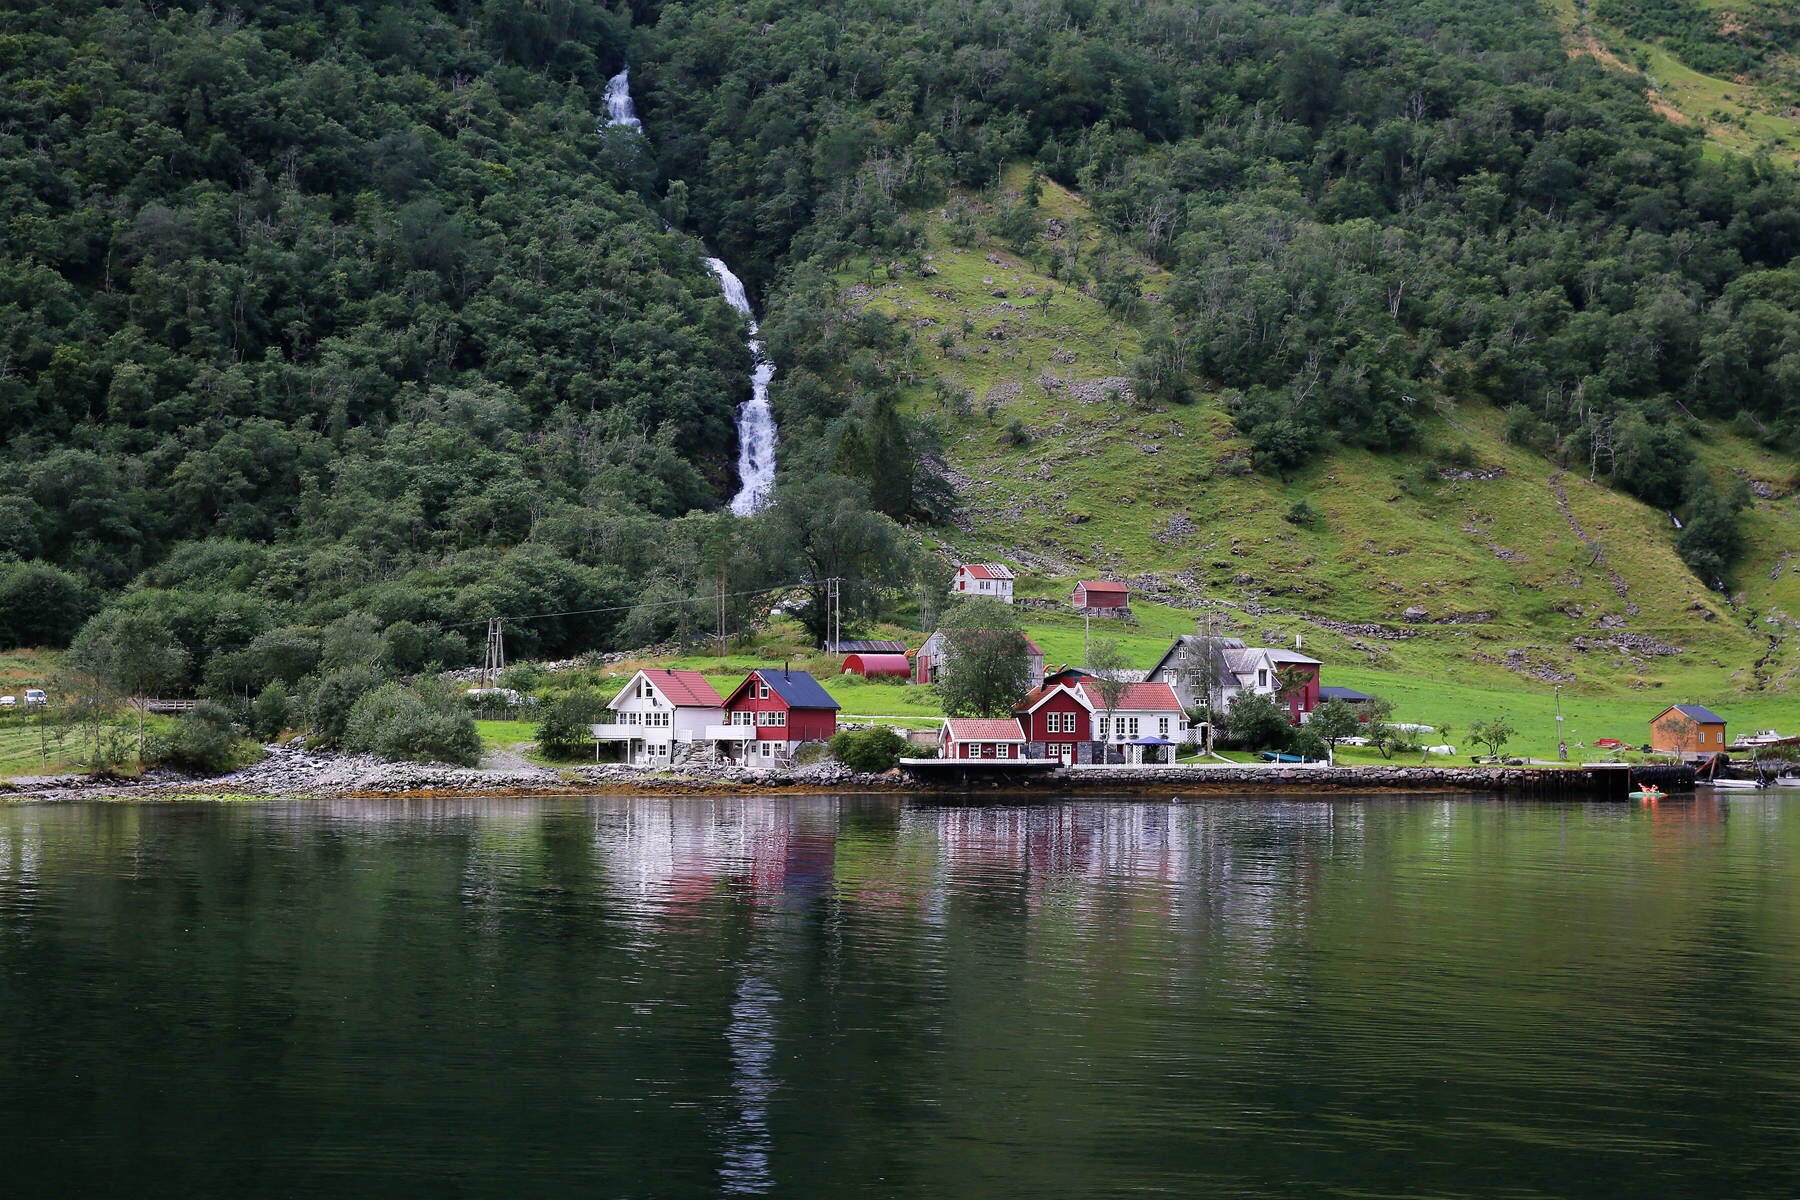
825 995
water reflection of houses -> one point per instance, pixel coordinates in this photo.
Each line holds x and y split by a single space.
671 856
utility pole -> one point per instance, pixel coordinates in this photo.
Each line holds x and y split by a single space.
496 655
719 613
834 620
1562 747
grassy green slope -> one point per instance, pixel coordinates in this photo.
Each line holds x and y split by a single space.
1739 116
1531 576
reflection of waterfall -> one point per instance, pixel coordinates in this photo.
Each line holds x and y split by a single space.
755 419
619 109
751 1036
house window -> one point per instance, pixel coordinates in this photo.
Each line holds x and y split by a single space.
646 691
762 690
1262 679
1128 727
1103 724
743 718
1162 726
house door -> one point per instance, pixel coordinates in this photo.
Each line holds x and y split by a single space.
1066 752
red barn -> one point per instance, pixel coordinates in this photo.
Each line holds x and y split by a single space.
983 738
786 707
1059 723
1102 597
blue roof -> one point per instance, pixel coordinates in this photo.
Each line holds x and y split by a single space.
1699 712
799 689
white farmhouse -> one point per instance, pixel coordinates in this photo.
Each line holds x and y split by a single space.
662 714
989 581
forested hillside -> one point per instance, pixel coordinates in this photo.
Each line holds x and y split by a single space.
319 308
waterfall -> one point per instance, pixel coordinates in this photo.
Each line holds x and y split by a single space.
619 108
755 419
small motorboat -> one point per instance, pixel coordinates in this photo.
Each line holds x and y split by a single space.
1730 785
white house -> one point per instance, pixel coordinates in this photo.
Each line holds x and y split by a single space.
1144 711
990 581
662 714
1235 667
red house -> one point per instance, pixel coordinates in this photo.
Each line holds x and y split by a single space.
1102 597
983 738
1059 723
785 707
1293 664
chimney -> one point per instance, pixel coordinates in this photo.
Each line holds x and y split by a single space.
1296 641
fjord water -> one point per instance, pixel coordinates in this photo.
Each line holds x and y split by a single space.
827 996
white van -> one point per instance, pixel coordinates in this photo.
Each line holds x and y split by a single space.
36 696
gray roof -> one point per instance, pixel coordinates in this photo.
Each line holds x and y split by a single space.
865 646
1343 693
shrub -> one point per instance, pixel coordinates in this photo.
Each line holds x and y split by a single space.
870 751
1303 514
269 712
332 701
562 732
202 742
399 723
1255 722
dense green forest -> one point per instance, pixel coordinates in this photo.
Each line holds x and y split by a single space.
327 311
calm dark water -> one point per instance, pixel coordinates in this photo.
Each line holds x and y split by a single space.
838 997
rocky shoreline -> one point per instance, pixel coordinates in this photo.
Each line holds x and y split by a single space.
294 772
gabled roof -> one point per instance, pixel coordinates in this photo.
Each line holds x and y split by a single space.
1105 586
986 571
1136 697
984 729
683 689
1185 641
1037 698
797 689
1291 656
1694 712
866 646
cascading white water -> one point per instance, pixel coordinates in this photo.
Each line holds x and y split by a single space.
619 108
755 419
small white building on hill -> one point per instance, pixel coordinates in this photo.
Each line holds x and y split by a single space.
989 581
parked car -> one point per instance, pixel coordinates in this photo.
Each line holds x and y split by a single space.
36 696
8 701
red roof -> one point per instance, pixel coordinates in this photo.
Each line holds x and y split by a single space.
984 729
1151 697
1048 692
987 571
684 689
1104 587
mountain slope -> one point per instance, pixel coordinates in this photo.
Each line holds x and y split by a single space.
1526 570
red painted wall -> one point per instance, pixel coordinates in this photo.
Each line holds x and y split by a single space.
803 724
1038 729
1308 698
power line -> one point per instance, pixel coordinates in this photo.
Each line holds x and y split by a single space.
583 612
